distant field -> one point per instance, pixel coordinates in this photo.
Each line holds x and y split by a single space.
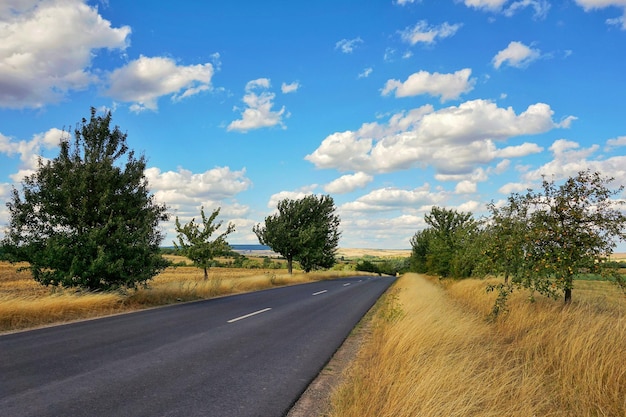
251 250
378 253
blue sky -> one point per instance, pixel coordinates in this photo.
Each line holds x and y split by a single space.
390 107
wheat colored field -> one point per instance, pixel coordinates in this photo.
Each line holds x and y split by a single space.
378 253
26 304
433 353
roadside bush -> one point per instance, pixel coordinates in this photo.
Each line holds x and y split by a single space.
366 266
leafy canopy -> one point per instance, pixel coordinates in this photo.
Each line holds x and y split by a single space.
197 245
548 237
86 218
446 246
305 230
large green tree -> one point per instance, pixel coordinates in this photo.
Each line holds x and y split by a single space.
197 245
305 230
560 232
87 218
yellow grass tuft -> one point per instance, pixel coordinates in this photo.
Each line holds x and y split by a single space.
17 313
440 357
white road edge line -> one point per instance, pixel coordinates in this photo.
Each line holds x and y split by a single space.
320 292
248 315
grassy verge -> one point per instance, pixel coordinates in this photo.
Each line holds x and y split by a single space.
25 304
432 353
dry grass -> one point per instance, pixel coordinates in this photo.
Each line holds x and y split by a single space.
378 253
440 357
25 304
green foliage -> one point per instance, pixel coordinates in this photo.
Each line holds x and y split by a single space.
197 245
420 244
367 266
167 251
385 266
504 234
544 239
305 230
448 246
86 218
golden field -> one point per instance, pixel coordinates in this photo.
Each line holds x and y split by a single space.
377 253
24 303
433 353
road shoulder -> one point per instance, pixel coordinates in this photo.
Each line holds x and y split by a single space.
316 399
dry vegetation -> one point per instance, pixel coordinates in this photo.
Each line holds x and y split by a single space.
432 353
378 253
25 304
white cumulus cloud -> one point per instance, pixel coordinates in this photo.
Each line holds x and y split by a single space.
465 187
485 4
258 112
517 55
30 151
589 5
425 33
174 187
144 80
348 183
46 49
289 88
447 86
519 151
392 198
615 143
184 192
569 158
291 195
540 7
453 140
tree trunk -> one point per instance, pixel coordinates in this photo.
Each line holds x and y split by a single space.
206 274
289 265
569 283
506 277
568 295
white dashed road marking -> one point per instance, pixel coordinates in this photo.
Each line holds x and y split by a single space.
248 315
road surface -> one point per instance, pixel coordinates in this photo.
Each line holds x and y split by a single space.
246 355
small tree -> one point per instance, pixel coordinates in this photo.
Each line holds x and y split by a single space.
196 245
86 218
305 230
569 229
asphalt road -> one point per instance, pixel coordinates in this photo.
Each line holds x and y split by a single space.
246 355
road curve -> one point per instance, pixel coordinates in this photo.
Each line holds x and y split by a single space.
245 355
